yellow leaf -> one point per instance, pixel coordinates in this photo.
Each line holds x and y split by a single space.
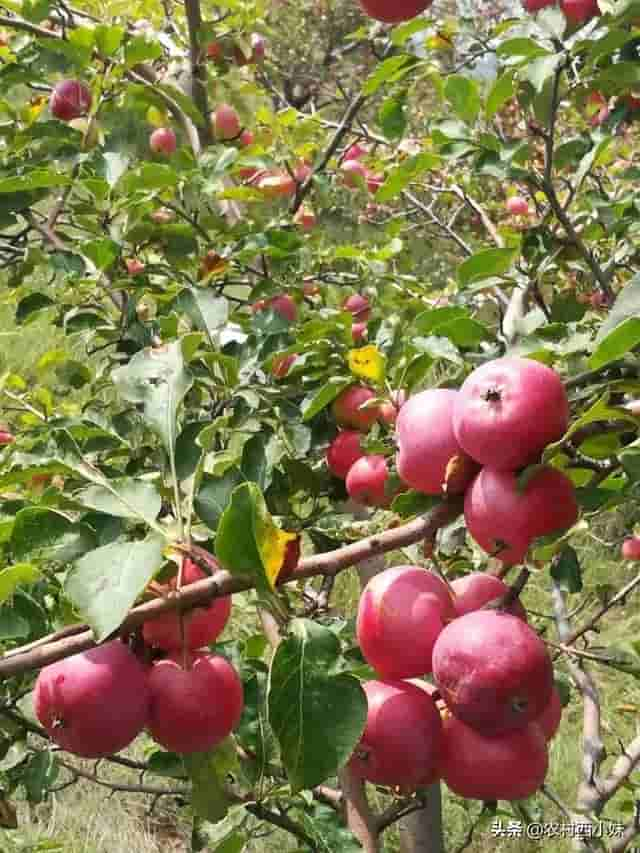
367 363
272 544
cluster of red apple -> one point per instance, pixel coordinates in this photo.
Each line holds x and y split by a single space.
95 703
483 725
575 11
355 173
472 441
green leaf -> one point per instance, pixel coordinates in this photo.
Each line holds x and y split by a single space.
104 584
17 575
35 180
429 320
411 503
207 311
565 570
522 47
486 264
539 70
402 175
40 533
13 626
125 498
618 342
208 771
502 91
620 329
317 401
244 535
392 116
618 78
157 379
139 49
215 494
31 305
462 93
387 70
102 252
463 332
304 698
39 775
108 39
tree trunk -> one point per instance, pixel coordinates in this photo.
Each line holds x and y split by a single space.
421 831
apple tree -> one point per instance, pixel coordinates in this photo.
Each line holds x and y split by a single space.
320 289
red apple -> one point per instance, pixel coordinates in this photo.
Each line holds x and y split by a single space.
274 183
508 410
202 625
510 767
6 437
402 612
475 590
343 451
93 703
163 216
388 413
374 182
631 548
401 741
245 139
134 266
505 519
347 409
549 719
579 11
533 6
367 479
163 141
354 173
282 304
215 51
193 709
258 47
305 218
426 442
394 13
359 306
359 333
598 300
517 206
355 152
70 99
493 671
226 122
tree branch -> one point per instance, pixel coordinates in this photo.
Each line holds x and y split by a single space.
589 796
198 68
223 583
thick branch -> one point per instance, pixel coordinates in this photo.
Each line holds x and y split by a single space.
621 770
223 583
360 819
589 797
198 69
